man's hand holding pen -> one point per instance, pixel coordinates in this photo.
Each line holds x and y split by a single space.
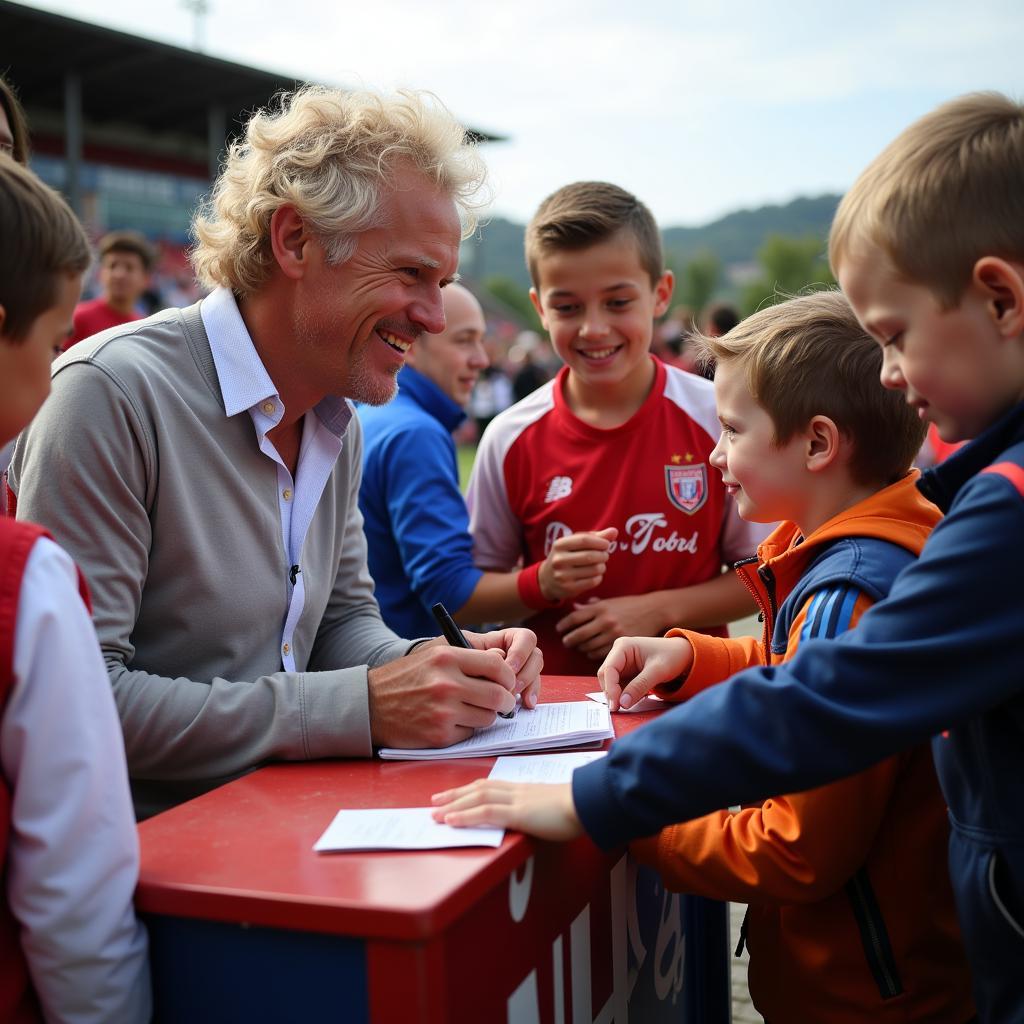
438 694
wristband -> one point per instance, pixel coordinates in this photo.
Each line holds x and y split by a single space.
528 585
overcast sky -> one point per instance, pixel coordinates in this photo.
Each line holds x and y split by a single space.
698 107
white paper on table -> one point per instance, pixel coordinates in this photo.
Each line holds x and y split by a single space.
399 828
550 768
650 702
547 726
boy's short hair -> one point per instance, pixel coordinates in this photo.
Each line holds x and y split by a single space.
587 213
41 240
128 241
944 193
16 120
810 357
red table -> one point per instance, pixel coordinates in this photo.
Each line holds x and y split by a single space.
247 923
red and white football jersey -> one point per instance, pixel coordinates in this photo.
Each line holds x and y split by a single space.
541 473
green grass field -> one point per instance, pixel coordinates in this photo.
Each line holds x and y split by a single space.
466 454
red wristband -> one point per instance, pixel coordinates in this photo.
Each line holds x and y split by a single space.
528 584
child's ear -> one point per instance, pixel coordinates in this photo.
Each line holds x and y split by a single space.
535 299
663 293
1002 284
289 241
822 439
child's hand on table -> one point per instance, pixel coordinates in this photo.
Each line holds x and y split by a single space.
538 809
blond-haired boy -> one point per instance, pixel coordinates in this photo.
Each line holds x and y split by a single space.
600 477
941 655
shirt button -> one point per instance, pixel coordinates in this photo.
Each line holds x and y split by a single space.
287 494
286 648
269 407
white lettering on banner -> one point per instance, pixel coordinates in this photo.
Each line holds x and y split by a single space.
636 943
519 892
579 965
523 1005
558 981
641 533
670 937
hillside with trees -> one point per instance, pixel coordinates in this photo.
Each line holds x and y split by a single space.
748 257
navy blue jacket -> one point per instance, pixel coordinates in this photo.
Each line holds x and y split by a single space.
417 527
942 652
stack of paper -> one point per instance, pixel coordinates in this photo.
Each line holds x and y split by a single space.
546 727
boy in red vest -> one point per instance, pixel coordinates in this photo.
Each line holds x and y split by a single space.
70 946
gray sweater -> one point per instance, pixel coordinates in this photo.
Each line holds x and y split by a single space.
171 511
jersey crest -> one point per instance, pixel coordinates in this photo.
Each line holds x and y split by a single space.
687 486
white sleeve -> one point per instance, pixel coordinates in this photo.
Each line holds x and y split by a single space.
496 530
73 858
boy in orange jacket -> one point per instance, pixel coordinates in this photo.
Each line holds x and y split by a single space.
851 911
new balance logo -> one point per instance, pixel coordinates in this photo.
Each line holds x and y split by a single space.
560 487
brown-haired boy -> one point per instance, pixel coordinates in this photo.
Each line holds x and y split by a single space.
851 912
929 247
70 946
125 263
605 468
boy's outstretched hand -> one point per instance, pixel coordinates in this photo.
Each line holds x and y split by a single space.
642 662
538 809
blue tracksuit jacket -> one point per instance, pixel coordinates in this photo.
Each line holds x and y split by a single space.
415 519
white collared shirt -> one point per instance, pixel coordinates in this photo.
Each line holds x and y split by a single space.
73 853
246 386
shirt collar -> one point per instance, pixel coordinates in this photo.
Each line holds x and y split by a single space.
244 381
425 393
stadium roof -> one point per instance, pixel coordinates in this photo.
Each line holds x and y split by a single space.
131 93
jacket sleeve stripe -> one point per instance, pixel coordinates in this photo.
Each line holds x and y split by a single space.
813 611
830 613
1011 471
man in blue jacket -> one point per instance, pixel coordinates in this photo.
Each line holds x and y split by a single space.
417 527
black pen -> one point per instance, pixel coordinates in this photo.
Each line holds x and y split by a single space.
456 638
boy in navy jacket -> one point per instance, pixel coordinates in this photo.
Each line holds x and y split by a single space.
929 247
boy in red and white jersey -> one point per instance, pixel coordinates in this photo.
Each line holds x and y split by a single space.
611 457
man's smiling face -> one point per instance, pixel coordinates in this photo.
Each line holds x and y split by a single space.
357 319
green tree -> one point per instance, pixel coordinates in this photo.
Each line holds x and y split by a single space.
699 281
791 266
517 298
